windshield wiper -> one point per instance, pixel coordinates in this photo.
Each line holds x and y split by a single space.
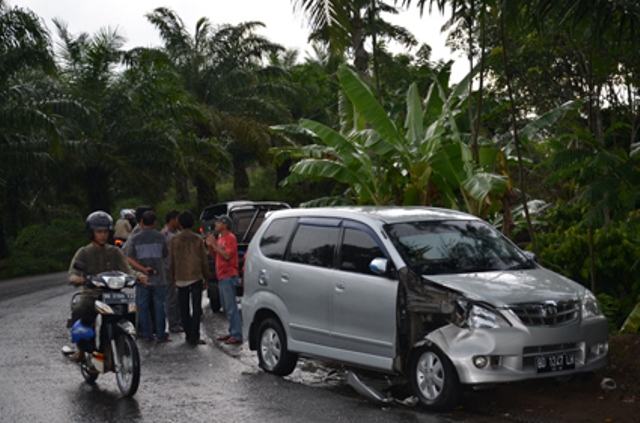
522 266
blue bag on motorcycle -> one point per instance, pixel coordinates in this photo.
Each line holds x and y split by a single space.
83 336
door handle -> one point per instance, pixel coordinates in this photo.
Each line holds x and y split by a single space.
340 286
284 277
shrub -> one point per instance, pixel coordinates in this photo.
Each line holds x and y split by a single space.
44 248
617 251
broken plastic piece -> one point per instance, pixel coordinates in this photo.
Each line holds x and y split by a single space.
367 391
608 384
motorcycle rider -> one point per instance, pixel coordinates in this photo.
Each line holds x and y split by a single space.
98 257
123 226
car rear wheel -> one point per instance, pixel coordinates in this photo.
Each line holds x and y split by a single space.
272 349
433 378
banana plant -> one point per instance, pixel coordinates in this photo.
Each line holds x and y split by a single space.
632 323
427 162
381 163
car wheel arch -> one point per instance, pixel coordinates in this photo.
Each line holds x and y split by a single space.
259 317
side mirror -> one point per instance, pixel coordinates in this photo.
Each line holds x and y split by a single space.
379 266
531 256
79 266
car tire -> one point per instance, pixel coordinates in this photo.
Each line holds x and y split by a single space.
433 379
273 355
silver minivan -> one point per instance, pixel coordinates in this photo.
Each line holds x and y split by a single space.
436 295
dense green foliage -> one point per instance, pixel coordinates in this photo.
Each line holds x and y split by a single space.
565 249
44 248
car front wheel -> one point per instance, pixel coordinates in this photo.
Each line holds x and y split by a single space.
434 380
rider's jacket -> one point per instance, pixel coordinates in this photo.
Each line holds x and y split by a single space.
97 260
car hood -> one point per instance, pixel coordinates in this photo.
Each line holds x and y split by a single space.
511 287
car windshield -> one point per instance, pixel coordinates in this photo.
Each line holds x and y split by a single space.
445 247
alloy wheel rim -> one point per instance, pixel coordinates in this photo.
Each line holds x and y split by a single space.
430 375
270 348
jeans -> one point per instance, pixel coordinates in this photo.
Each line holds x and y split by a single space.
191 313
227 288
156 294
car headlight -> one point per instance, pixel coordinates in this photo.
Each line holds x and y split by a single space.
590 306
479 317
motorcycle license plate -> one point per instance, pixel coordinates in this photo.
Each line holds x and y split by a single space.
555 362
118 298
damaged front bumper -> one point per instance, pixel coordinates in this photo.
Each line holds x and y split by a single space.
523 352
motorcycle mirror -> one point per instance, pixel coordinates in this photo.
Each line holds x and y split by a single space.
79 266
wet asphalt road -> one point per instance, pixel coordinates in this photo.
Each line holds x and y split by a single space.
178 383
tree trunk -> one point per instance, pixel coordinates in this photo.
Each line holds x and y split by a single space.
206 192
592 264
476 133
240 180
182 189
374 53
4 246
97 186
361 60
282 171
503 39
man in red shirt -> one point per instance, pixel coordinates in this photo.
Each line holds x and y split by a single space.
225 251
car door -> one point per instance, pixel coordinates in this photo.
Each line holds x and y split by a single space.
304 281
363 303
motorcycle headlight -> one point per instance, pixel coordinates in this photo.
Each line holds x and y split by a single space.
590 306
115 282
479 317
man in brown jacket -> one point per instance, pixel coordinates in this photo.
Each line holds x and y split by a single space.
189 271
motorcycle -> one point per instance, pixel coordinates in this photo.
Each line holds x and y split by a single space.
113 347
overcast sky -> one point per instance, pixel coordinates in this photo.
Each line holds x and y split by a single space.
283 26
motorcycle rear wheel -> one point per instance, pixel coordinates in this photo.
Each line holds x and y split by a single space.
128 373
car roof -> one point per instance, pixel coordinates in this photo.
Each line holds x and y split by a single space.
382 214
246 203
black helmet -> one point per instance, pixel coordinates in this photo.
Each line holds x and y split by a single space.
98 220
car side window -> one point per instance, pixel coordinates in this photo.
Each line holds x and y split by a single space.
275 238
314 245
358 249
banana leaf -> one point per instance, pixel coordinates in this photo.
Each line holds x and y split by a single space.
632 323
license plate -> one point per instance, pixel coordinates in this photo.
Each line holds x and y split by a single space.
555 362
118 298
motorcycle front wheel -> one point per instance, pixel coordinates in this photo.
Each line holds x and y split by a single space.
128 373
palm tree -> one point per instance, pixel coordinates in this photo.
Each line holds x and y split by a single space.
31 134
88 72
155 113
223 68
348 24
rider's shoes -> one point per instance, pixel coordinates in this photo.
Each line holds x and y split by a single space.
77 357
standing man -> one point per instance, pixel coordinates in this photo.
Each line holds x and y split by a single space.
225 249
146 252
172 308
189 271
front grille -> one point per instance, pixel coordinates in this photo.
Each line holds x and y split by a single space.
550 349
547 313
